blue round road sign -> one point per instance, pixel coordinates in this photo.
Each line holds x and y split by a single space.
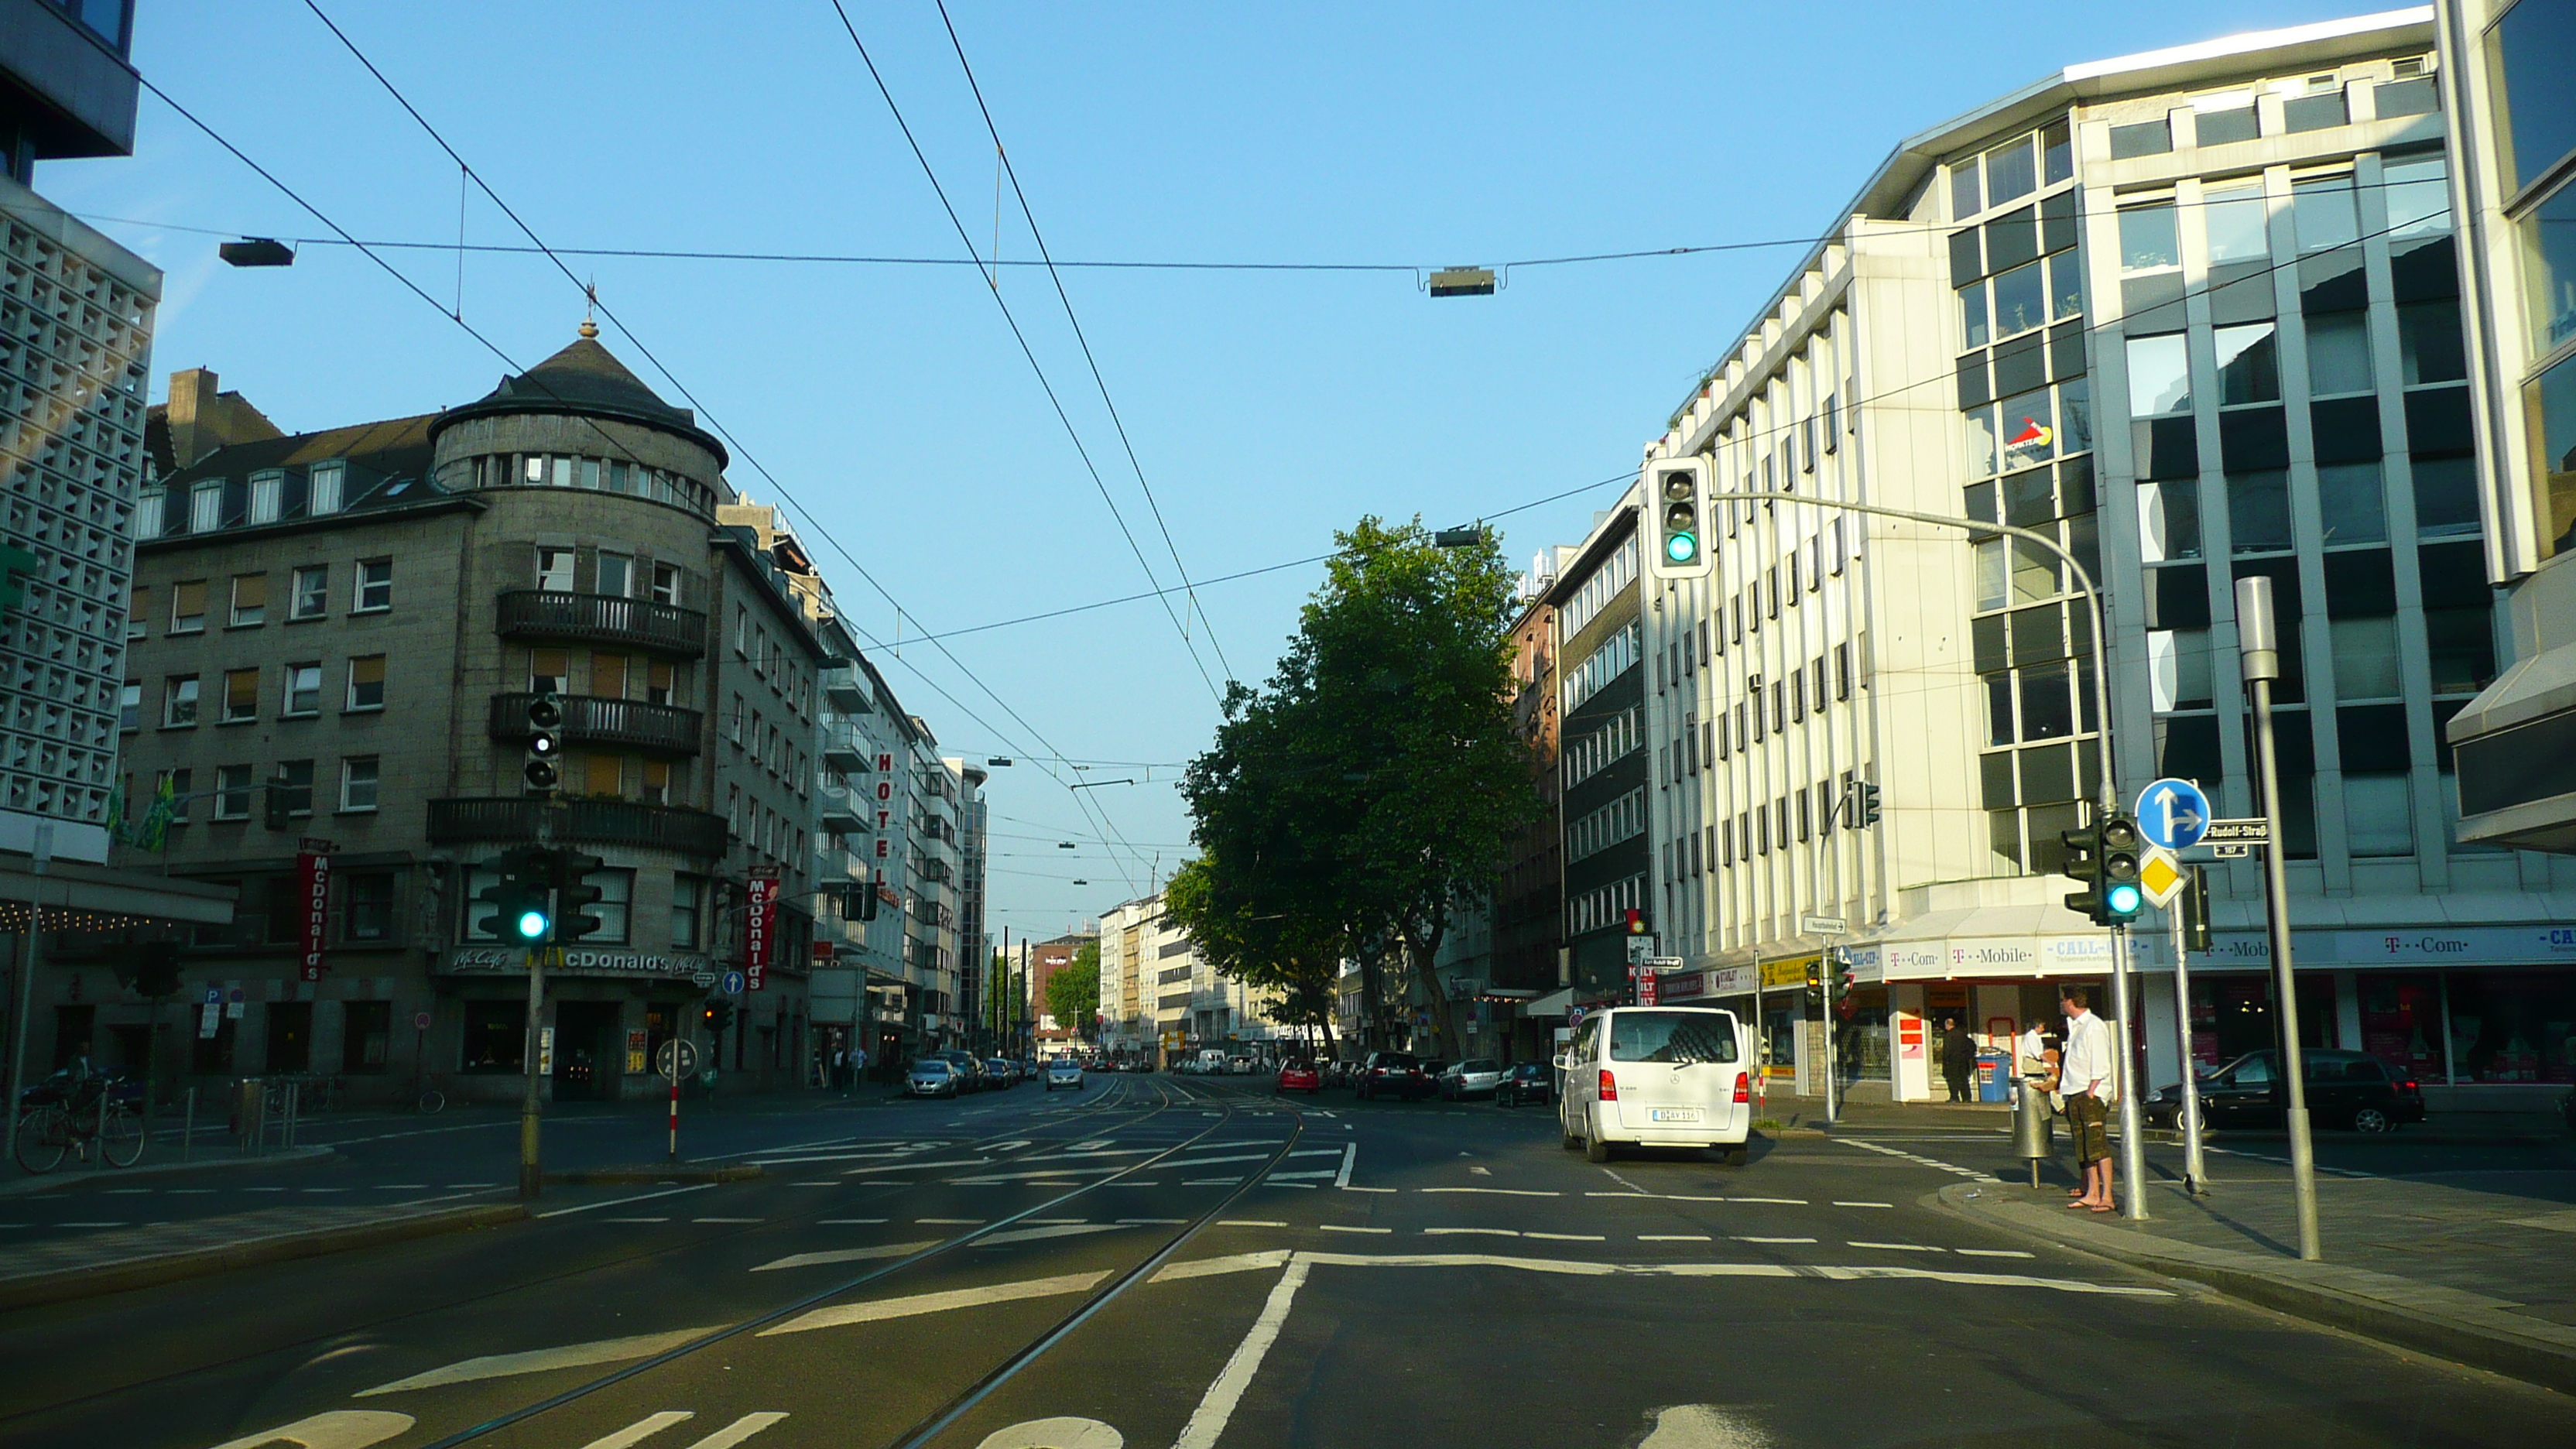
2173 814
733 983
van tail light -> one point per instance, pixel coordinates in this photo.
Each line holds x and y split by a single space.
1609 1086
2410 1086
1743 1087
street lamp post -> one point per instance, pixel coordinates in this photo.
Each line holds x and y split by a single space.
2258 644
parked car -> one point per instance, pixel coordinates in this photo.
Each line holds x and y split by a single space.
1299 1077
1064 1072
1395 1074
971 1074
1474 1077
1658 1076
1006 1074
2349 1091
1525 1082
931 1077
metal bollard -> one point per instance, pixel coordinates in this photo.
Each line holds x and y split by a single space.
188 1127
2032 1130
294 1101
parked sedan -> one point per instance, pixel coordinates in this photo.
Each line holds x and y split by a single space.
1525 1082
1006 1074
972 1075
1474 1077
2351 1091
1393 1074
1299 1077
930 1077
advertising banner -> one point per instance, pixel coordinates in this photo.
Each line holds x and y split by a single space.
313 884
759 925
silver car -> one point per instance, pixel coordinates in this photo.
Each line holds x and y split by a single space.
930 1077
1474 1077
1064 1072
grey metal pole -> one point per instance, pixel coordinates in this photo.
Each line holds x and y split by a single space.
1825 964
2195 1170
530 1107
2133 1146
42 857
188 1129
2259 650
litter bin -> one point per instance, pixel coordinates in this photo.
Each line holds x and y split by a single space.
1994 1078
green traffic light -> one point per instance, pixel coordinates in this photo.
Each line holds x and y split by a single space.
1681 548
531 925
2123 900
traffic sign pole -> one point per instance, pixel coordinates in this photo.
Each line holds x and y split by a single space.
2258 645
2195 1173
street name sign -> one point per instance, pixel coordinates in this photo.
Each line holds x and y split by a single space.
2173 814
2256 831
702 978
1823 925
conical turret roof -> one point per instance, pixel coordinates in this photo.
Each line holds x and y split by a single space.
586 378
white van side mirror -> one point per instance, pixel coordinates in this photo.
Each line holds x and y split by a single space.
1561 1059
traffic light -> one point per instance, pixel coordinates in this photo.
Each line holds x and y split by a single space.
520 896
575 895
2195 911
1816 985
2084 867
545 717
1677 492
1864 805
2122 896
1636 921
719 1015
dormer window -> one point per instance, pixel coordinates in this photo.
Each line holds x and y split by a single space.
323 487
205 505
267 495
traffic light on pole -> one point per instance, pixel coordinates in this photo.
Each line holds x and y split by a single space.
575 895
2122 896
543 770
2084 867
519 896
1816 984
1636 921
1864 804
1677 495
719 1015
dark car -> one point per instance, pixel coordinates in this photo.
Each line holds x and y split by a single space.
1525 1082
2349 1091
1394 1074
972 1074
1006 1073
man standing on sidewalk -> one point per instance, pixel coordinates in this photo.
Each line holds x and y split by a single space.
2084 1076
1958 1055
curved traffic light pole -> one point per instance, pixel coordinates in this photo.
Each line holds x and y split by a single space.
2132 1146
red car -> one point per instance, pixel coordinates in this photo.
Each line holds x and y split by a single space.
1299 1077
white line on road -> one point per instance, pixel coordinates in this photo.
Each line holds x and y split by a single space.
641 1430
1058 1230
1157 1222
724 1220
1350 1158
1358 1189
912 1166
1471 1232
1210 1181
847 1222
1743 1239
1672 1237
634 1220
1348 1228
1248 1223
571 1355
921 1303
1569 1237
1211 1267
952 1222
813 1184
1996 1253
737 1431
1898 1247
1207 1422
1504 1191
1290 1176
623 1201
845 1255
1840 1203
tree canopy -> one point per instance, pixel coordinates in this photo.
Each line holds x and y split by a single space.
1073 992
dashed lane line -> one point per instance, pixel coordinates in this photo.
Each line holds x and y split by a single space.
924 1303
1994 1253
1672 1237
1932 1162
623 1201
1741 1238
845 1255
1568 1237
951 1222
724 1220
1839 1203
1898 1247
1350 1228
1248 1223
1471 1232
1500 1191
634 1220
847 1222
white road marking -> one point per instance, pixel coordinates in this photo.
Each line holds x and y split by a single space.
1363 1189
623 1201
1211 1181
1248 1223
1215 1161
1482 1171
1054 1222
952 1222
847 1222
641 1430
137 1191
1350 1158
1773 1201
1132 1183
1839 1203
1741 1238
539 1360
1672 1237
813 1184
338 1429
1211 1267
1158 1222
921 1303
1307 1186
1471 1232
1317 1152
845 1255
1502 1191
987 1179
1569 1237
1898 1247
201 1191
737 1431
1348 1228
634 1220
724 1220
1063 1432
89 1225
382 1187
1293 1176
913 1166
1933 1162
1832 1273
1207 1422
1704 1426
1995 1253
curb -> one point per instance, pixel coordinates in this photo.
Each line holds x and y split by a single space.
2447 1323
628 1176
52 1181
1792 1134
42 1288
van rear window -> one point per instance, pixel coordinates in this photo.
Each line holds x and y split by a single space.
1672 1036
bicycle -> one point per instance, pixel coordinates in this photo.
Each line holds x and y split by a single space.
430 1102
50 1132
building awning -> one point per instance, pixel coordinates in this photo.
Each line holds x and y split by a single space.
1553 1004
97 897
2040 942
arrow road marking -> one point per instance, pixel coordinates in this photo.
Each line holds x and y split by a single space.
921 1303
846 1255
571 1355
338 1429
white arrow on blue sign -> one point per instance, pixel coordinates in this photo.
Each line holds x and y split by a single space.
2173 814
733 983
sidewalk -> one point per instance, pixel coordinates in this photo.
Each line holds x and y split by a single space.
2480 1273
1867 1115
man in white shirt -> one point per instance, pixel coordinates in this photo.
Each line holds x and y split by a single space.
2084 1077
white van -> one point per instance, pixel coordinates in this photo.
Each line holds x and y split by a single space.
1657 1076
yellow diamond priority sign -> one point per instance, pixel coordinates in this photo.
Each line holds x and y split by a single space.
2159 876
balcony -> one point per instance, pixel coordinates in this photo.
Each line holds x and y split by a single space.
591 720
843 750
844 691
545 616
843 812
585 822
925 867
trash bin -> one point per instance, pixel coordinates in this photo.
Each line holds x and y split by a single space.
1994 1078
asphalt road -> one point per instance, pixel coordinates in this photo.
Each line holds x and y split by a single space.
1185 1261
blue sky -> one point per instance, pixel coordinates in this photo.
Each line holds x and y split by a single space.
1267 409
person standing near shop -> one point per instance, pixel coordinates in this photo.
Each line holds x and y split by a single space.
1958 1056
2084 1079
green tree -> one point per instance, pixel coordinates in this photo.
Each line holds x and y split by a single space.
1374 782
1073 992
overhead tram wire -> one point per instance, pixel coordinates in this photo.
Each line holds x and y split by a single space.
968 241
1089 807
1056 277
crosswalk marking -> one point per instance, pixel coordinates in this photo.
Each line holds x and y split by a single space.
737 1431
641 1429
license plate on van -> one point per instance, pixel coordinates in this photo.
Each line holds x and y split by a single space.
1673 1114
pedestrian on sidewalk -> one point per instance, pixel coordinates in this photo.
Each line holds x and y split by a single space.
1958 1056
2084 1079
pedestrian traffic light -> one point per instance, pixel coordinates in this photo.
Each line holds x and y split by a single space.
575 895
2122 896
520 896
2084 866
1864 804
545 717
719 1015
1677 494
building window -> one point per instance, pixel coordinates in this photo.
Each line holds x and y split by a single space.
241 695
616 575
2322 212
367 904
657 782
604 776
205 505
375 585
179 701
250 600
2249 369
2320 111
554 570
494 1037
267 495
188 607
291 793
2339 354
312 592
666 584
549 671
129 705
367 682
322 488
232 792
358 775
138 614
151 507
2159 376
366 1035
304 688
614 908
2146 138
688 900
658 683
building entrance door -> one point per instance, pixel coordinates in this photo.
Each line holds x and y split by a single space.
587 1054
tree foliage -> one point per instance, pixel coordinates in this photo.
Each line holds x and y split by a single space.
1073 992
1371 785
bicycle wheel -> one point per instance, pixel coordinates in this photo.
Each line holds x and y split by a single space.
43 1136
120 1138
431 1100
